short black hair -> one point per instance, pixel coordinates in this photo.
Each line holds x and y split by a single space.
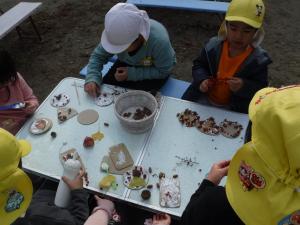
7 67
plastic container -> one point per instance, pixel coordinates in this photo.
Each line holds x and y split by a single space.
63 193
132 100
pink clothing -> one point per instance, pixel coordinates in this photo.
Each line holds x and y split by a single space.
18 91
100 217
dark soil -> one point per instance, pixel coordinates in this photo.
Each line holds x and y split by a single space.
71 29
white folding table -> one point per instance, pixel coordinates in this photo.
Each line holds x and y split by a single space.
160 148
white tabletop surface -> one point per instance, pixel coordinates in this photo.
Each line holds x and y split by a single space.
169 139
156 148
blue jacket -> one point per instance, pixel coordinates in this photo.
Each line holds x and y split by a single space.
253 71
154 60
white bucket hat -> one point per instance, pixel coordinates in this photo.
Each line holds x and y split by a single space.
123 24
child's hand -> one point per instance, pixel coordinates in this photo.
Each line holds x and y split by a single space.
121 74
30 107
204 86
92 89
218 171
161 219
105 205
76 183
235 84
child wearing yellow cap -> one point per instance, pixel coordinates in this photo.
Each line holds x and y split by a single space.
232 66
263 177
16 191
18 204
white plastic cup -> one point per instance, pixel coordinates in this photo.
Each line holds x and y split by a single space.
63 193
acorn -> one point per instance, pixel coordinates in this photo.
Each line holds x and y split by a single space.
146 194
53 134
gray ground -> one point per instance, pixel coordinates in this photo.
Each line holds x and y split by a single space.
71 29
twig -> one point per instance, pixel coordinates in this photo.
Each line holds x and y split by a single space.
76 89
187 161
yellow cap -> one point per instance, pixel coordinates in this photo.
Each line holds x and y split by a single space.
263 185
251 12
15 185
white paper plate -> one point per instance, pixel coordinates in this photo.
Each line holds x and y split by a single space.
60 100
40 126
104 99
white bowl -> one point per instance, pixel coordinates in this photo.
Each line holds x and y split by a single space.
130 101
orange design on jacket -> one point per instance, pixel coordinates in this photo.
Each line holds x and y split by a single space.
220 93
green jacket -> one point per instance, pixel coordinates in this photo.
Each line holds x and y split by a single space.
154 60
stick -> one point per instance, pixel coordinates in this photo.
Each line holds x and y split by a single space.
76 89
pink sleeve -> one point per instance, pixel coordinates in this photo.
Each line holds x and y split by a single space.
27 92
100 217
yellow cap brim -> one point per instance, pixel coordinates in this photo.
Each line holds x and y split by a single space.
25 147
244 20
18 182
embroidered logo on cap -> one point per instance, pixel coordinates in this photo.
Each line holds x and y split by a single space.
250 178
259 9
14 201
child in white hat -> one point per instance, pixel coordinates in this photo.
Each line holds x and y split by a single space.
232 66
145 54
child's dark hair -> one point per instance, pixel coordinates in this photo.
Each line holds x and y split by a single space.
7 67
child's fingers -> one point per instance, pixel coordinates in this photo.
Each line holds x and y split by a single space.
66 180
81 173
97 198
224 163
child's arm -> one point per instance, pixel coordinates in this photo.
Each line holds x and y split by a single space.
201 69
79 207
98 58
29 98
253 83
100 217
102 213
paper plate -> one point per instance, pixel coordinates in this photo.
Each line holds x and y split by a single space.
104 99
40 126
60 100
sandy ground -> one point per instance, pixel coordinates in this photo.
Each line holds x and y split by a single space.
71 29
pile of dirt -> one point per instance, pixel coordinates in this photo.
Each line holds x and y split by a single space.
71 29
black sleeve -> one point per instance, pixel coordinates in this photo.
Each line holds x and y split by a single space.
194 198
201 69
203 186
42 209
209 206
79 206
253 83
